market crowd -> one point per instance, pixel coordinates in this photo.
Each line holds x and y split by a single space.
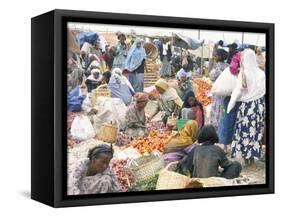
236 119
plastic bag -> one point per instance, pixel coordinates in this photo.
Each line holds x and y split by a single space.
87 104
225 83
82 128
110 110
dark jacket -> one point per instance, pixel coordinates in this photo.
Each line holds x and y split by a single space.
204 161
169 52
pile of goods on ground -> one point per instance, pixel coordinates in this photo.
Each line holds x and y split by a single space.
154 141
158 126
148 185
125 178
202 90
122 139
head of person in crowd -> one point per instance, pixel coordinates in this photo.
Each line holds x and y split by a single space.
258 51
139 42
83 54
96 73
161 86
125 73
106 77
220 43
233 47
122 38
96 44
220 55
185 67
95 65
208 134
141 100
190 100
100 157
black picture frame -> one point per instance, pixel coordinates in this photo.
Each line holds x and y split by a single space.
48 108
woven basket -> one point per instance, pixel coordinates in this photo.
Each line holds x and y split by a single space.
100 91
168 179
207 182
172 121
151 50
108 133
146 167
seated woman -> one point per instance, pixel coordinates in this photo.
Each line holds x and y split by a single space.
191 102
120 87
169 101
135 117
204 160
93 175
94 80
179 145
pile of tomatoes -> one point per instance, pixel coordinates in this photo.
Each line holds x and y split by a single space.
202 92
154 141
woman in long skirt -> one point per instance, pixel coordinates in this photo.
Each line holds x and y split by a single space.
249 125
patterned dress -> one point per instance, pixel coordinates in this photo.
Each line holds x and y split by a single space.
249 129
80 183
217 105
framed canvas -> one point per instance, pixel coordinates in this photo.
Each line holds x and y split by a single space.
135 108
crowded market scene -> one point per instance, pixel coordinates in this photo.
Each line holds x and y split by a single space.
160 108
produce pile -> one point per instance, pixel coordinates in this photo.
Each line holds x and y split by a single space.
154 141
148 185
122 139
125 178
202 91
157 126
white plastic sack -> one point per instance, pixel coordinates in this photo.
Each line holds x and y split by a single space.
110 110
236 94
82 128
87 104
225 83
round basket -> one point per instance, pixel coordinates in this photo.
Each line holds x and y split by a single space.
151 50
146 167
168 179
108 133
100 91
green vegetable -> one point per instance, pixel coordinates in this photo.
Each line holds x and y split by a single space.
148 185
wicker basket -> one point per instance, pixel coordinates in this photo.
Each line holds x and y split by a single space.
151 50
168 179
146 167
100 91
108 133
172 121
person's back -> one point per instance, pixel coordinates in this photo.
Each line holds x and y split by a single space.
206 160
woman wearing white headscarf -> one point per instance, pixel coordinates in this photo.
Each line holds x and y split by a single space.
120 87
94 80
249 125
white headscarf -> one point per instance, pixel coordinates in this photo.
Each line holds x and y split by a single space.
117 74
255 77
92 78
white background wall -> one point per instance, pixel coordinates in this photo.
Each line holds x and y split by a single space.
15 107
